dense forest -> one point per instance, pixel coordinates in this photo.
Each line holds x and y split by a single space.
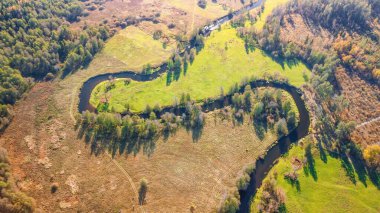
36 41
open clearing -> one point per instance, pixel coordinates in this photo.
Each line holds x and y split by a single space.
136 48
332 191
222 63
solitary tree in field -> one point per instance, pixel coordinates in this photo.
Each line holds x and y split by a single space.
143 190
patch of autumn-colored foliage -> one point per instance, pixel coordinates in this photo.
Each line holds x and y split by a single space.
372 156
361 55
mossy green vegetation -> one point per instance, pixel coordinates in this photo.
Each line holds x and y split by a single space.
136 48
223 62
269 6
322 186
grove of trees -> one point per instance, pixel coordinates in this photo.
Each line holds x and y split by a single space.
268 109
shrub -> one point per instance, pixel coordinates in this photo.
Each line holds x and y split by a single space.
157 34
143 190
50 76
202 4
344 130
372 156
272 198
243 182
230 205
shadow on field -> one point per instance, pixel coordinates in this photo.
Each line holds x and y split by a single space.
351 160
310 169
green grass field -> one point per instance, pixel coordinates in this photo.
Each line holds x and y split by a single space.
332 191
269 6
136 48
222 63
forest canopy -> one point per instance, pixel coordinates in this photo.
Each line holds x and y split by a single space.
36 41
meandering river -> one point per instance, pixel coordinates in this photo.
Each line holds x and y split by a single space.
262 165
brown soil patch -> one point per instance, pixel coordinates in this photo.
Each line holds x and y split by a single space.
368 134
364 98
296 30
364 106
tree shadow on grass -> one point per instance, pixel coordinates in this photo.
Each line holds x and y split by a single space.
309 168
375 177
282 209
195 128
291 62
358 164
347 166
294 183
283 61
248 48
360 170
322 153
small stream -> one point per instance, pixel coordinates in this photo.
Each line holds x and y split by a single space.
262 165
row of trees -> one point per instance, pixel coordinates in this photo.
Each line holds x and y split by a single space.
132 132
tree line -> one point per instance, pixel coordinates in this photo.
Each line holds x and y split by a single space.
132 133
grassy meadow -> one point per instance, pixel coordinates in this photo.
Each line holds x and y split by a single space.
222 63
135 48
329 190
